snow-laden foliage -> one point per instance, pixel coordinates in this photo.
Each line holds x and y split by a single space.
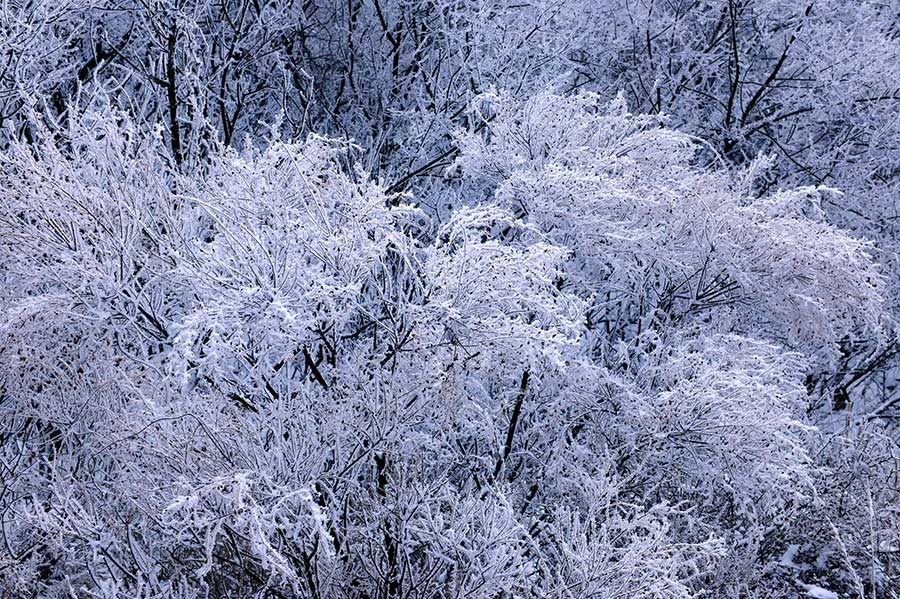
659 241
273 376
383 299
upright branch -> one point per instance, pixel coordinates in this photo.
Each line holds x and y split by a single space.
513 422
172 91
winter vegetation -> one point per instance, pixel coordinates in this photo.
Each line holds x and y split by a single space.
433 299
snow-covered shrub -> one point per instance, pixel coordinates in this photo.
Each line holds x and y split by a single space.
271 376
658 240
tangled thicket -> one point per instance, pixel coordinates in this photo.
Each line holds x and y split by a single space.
384 299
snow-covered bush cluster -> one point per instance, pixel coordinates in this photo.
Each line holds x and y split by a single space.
382 299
